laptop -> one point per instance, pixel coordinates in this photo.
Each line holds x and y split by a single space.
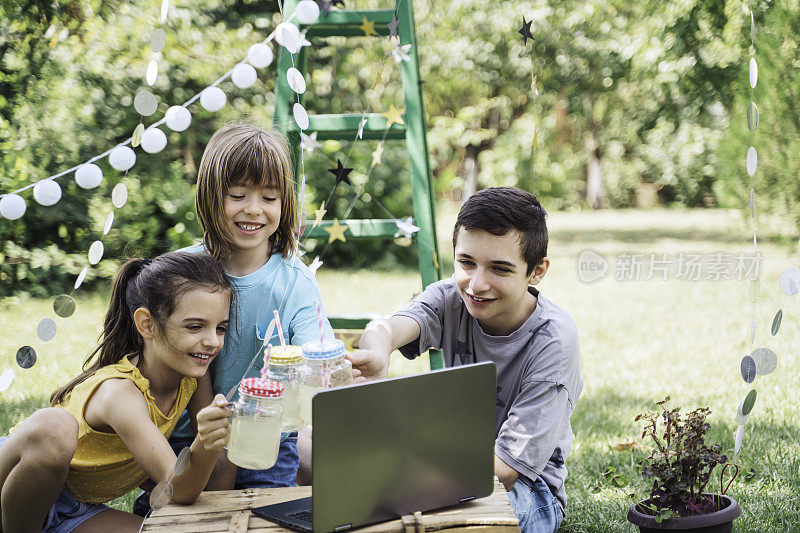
386 449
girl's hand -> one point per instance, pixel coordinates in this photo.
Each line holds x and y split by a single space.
214 425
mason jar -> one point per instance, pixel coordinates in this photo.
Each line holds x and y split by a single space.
324 367
256 425
282 363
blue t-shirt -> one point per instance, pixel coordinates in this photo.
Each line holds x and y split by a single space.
283 283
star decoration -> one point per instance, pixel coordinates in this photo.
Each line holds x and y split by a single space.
380 72
336 231
361 126
341 172
405 228
318 214
376 155
393 26
314 266
368 27
400 53
309 142
392 116
525 31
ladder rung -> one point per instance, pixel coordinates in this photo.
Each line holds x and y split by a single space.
356 228
345 127
349 322
346 23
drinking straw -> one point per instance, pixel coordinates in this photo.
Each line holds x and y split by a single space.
266 362
319 319
280 328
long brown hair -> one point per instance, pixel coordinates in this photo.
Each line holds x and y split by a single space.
241 154
157 285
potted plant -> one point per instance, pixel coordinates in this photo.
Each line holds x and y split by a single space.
681 465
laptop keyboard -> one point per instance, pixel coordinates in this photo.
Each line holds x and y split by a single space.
302 515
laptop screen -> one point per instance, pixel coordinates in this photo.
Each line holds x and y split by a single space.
390 448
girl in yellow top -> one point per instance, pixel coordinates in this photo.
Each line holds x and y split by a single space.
107 432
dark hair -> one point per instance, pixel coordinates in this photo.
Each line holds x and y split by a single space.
242 154
499 210
156 285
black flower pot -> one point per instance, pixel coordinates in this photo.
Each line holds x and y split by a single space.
718 522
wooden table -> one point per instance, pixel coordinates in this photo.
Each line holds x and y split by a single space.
230 511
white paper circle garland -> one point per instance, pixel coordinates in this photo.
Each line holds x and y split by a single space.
152 72
81 277
46 330
182 462
158 40
109 223
752 161
88 176
119 195
145 103
741 418
737 445
5 379
96 252
122 158
296 80
260 55
307 12
243 75
47 192
178 118
790 281
753 72
287 35
153 140
300 116
213 99
12 206
164 11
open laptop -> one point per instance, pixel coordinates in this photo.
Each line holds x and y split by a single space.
389 448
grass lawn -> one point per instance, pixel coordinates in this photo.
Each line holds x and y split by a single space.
640 341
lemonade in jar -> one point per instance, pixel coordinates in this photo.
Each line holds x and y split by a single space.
256 425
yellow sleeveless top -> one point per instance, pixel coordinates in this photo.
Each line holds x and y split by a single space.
103 468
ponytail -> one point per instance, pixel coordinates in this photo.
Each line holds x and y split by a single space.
155 285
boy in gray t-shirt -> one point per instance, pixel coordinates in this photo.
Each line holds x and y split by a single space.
490 311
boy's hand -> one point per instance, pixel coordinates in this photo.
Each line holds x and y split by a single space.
381 337
214 425
369 364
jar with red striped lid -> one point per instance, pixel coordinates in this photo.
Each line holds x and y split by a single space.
256 425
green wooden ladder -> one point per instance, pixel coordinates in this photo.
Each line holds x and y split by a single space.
345 127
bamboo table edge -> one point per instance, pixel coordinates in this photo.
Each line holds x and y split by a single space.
229 511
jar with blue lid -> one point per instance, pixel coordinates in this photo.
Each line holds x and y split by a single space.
324 367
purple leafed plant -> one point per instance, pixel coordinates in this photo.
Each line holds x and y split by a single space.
681 463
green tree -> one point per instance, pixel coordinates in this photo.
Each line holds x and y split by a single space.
775 182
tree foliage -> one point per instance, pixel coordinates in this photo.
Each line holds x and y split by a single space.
621 94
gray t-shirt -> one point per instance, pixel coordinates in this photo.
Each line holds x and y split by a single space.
538 376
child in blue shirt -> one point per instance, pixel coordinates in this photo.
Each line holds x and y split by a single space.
246 204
